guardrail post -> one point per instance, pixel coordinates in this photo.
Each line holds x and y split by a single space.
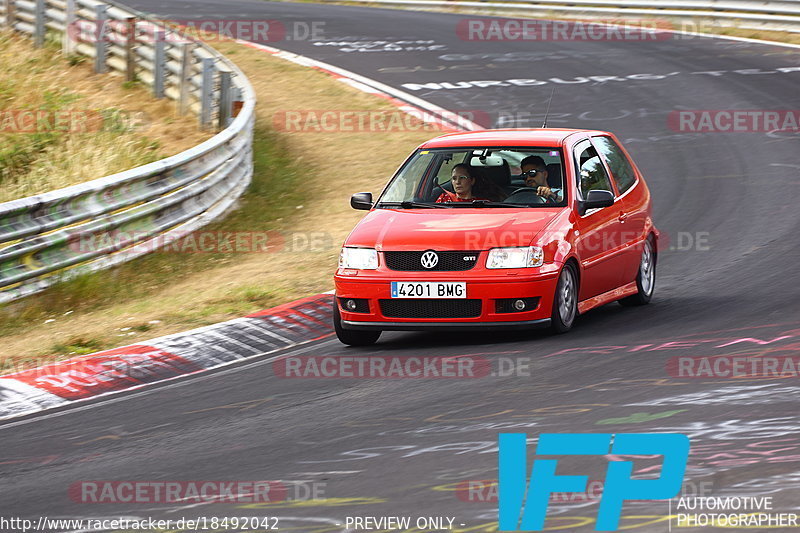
238 102
70 28
159 64
225 95
100 45
206 92
130 45
186 74
10 13
38 26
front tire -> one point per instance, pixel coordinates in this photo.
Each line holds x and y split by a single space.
565 301
646 278
352 337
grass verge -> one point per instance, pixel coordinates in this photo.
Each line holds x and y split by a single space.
61 124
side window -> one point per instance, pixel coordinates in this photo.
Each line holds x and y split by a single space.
621 168
402 186
446 169
591 173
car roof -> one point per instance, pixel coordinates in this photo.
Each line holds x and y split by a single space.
507 137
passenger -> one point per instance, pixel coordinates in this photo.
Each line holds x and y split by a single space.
534 171
468 186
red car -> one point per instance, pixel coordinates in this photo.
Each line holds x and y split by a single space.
498 229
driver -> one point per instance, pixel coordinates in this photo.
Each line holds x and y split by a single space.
534 172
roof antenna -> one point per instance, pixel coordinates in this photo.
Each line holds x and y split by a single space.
547 113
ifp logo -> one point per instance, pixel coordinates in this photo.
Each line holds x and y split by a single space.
516 513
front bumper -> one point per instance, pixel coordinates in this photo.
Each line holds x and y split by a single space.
439 325
376 287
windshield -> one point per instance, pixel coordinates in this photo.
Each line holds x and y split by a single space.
478 177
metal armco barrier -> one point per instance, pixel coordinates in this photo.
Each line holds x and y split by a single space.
780 15
101 223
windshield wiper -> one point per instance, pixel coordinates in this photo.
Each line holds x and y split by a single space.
486 203
408 205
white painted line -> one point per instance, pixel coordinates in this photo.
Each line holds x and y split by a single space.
477 8
374 85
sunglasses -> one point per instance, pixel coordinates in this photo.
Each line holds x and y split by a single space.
531 173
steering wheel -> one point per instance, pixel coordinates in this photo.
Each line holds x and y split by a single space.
531 190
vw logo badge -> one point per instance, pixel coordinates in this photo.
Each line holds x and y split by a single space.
429 259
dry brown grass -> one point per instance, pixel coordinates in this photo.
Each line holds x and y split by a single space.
763 35
50 158
165 293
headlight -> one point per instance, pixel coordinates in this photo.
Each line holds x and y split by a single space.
358 258
527 257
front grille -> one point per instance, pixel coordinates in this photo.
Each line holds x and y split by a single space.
448 261
401 308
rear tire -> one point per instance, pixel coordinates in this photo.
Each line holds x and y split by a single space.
645 278
352 337
565 301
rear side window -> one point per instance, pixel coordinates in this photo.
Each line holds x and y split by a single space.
591 173
621 168
446 169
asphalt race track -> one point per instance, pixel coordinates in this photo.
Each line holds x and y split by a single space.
728 286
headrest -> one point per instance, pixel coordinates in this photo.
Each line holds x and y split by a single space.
494 169
554 180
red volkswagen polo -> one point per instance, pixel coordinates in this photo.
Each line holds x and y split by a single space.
498 229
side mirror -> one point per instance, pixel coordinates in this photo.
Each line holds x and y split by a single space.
363 200
597 199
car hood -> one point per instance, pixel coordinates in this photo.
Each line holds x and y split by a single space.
450 229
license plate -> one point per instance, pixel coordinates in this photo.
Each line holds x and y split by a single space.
429 289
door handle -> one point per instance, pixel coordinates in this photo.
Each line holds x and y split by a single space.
623 217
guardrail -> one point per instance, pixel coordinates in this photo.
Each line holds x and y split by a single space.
780 15
100 223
